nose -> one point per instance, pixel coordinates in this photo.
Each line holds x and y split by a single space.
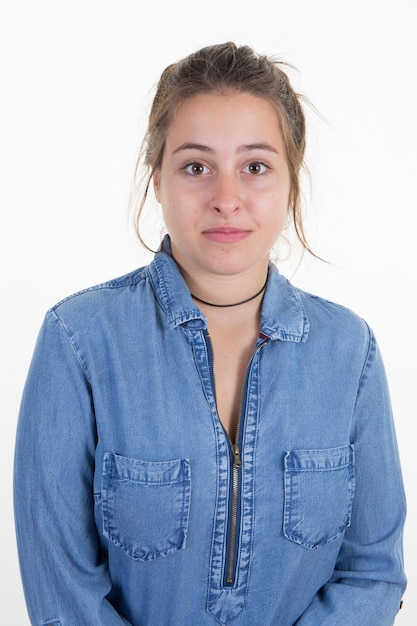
226 194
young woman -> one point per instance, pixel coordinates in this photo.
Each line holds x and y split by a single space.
200 442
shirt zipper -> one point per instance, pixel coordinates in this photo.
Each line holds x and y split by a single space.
236 460
233 517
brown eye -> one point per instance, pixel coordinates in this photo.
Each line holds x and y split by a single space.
256 168
196 169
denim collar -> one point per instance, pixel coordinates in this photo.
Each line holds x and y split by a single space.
283 316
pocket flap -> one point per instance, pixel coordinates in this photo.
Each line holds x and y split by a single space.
319 460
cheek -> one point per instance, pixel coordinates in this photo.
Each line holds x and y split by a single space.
277 215
278 205
279 224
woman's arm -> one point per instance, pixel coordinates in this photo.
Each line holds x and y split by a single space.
368 581
64 575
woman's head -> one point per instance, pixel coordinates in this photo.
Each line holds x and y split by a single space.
223 69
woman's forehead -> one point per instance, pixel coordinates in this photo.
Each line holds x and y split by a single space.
210 117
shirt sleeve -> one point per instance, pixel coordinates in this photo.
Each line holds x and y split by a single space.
65 578
368 580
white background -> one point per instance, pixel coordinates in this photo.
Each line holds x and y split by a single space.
76 82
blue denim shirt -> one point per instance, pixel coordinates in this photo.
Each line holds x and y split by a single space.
130 505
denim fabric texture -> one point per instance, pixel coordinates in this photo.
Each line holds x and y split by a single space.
123 471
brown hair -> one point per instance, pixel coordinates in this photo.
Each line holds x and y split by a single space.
223 68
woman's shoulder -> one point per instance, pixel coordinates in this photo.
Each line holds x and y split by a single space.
321 305
102 294
332 317
317 310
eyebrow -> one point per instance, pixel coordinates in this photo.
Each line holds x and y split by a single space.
257 146
192 146
244 148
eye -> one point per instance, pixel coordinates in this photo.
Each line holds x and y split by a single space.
195 168
256 167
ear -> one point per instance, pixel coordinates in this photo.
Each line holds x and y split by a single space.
155 179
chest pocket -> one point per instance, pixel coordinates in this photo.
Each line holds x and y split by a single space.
146 505
319 488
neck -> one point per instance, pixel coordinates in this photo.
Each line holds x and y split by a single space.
232 304
223 291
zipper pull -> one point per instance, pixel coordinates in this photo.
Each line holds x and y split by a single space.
237 461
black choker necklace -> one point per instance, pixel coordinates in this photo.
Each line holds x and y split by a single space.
235 303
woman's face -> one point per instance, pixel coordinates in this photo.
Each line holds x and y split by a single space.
224 183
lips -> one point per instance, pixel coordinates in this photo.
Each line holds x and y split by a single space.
225 234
